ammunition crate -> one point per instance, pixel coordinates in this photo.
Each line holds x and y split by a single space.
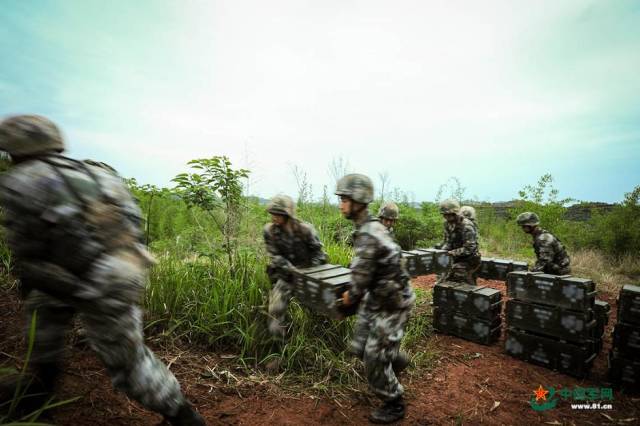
460 325
575 360
441 293
601 310
624 372
411 263
321 288
626 339
497 269
478 302
565 324
562 291
435 260
424 261
629 304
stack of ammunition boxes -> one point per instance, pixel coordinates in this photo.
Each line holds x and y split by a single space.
497 269
624 358
426 261
466 311
320 288
554 321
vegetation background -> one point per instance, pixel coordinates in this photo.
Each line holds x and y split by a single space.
209 286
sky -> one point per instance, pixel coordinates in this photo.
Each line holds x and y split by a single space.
495 93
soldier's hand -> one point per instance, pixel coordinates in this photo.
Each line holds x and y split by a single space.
346 301
451 253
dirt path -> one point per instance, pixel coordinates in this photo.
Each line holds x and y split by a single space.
464 387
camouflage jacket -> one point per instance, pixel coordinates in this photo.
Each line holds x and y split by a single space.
461 238
301 248
376 269
67 213
552 258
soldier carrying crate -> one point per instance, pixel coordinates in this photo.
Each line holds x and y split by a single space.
461 242
551 256
290 244
384 293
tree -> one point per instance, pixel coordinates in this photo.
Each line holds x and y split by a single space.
217 186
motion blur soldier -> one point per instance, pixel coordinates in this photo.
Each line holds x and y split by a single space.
384 293
291 244
461 242
551 256
470 213
73 229
389 214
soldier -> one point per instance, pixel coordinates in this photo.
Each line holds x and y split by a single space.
460 240
470 213
72 228
551 256
389 214
291 244
385 298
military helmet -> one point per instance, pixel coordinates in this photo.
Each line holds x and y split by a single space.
468 212
28 135
528 218
449 206
282 205
357 187
389 210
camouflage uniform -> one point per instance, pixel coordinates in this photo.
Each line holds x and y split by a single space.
552 258
470 213
461 239
387 298
299 249
72 229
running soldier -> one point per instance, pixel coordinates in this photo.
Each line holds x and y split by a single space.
385 298
461 242
551 256
73 229
290 244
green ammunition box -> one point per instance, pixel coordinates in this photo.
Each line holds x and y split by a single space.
424 261
626 339
441 293
562 291
624 372
440 260
460 325
498 269
486 269
520 266
501 268
573 326
478 302
320 289
575 360
411 263
601 310
629 304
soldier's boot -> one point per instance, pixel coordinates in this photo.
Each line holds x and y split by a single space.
390 412
186 416
400 363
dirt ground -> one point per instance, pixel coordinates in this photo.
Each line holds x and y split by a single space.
470 384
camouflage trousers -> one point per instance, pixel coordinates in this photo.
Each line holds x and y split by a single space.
108 309
376 340
279 299
463 271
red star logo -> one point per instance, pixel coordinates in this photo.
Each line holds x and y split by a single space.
541 393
